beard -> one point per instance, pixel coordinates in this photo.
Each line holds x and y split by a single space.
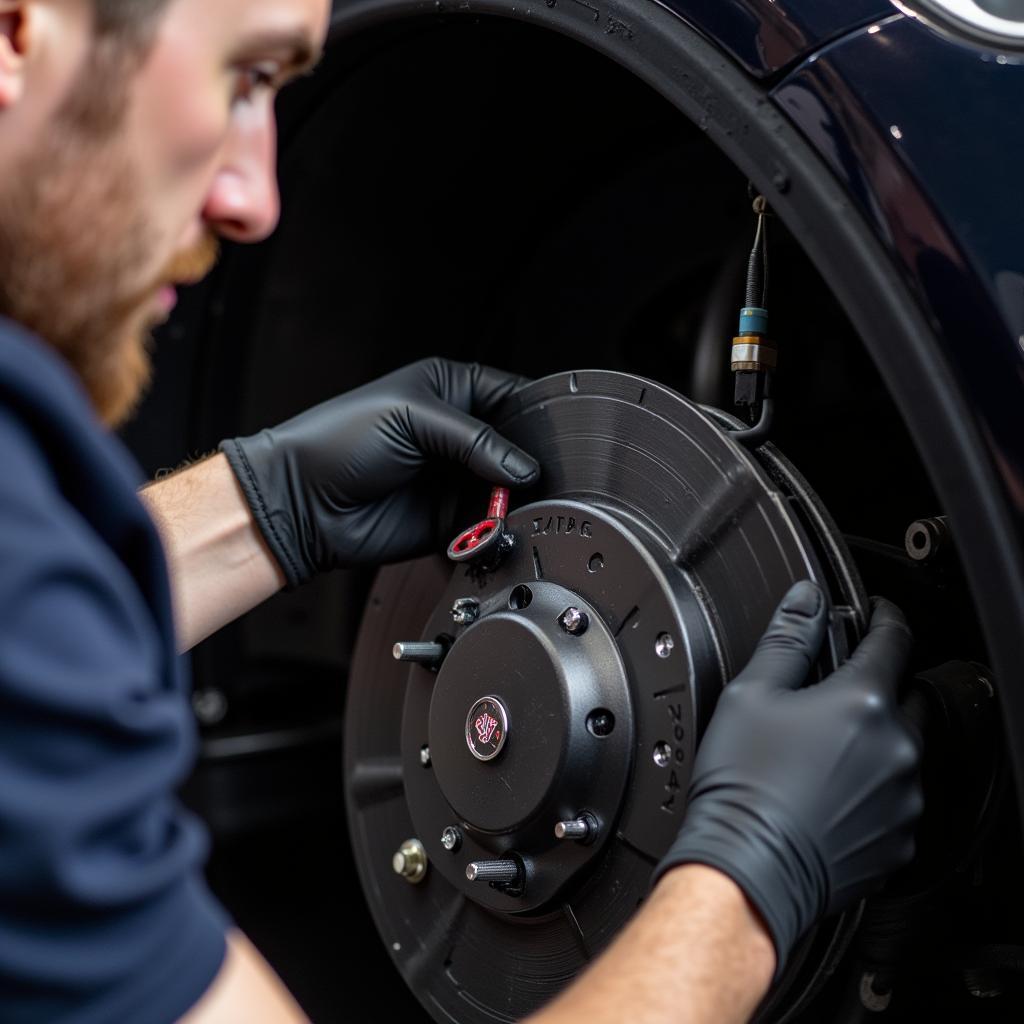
74 233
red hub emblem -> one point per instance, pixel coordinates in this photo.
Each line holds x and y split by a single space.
486 728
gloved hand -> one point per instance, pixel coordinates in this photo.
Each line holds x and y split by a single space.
344 483
806 796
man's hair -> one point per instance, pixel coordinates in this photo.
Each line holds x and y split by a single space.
129 20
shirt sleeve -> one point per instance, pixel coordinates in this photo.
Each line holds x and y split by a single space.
104 915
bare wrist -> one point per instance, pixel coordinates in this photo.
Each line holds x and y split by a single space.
754 943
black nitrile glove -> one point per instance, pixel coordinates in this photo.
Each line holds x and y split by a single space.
344 483
806 796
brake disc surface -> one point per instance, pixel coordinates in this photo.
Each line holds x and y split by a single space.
639 576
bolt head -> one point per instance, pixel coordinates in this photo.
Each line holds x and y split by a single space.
663 645
425 756
410 861
465 611
574 621
451 839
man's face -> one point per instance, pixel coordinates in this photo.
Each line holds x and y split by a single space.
132 176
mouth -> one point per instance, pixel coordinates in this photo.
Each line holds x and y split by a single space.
187 268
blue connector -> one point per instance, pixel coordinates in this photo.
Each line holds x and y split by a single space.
753 320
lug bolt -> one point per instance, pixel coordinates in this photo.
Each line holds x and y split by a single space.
574 621
581 828
465 611
425 756
428 655
451 838
501 872
411 861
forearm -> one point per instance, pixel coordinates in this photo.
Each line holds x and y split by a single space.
219 563
695 954
245 989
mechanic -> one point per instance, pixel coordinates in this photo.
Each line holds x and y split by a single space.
133 135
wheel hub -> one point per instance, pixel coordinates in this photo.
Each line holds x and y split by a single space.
568 736
526 749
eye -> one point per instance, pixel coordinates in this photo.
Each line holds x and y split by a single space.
255 79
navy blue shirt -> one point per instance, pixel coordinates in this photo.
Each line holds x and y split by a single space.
104 916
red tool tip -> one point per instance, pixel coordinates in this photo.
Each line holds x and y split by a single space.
499 503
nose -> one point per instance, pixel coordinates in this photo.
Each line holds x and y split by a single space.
244 204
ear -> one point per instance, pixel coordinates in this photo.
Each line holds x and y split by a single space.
14 18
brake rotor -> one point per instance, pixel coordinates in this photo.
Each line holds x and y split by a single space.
578 673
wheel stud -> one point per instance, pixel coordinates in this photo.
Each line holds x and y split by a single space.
427 654
581 829
499 872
